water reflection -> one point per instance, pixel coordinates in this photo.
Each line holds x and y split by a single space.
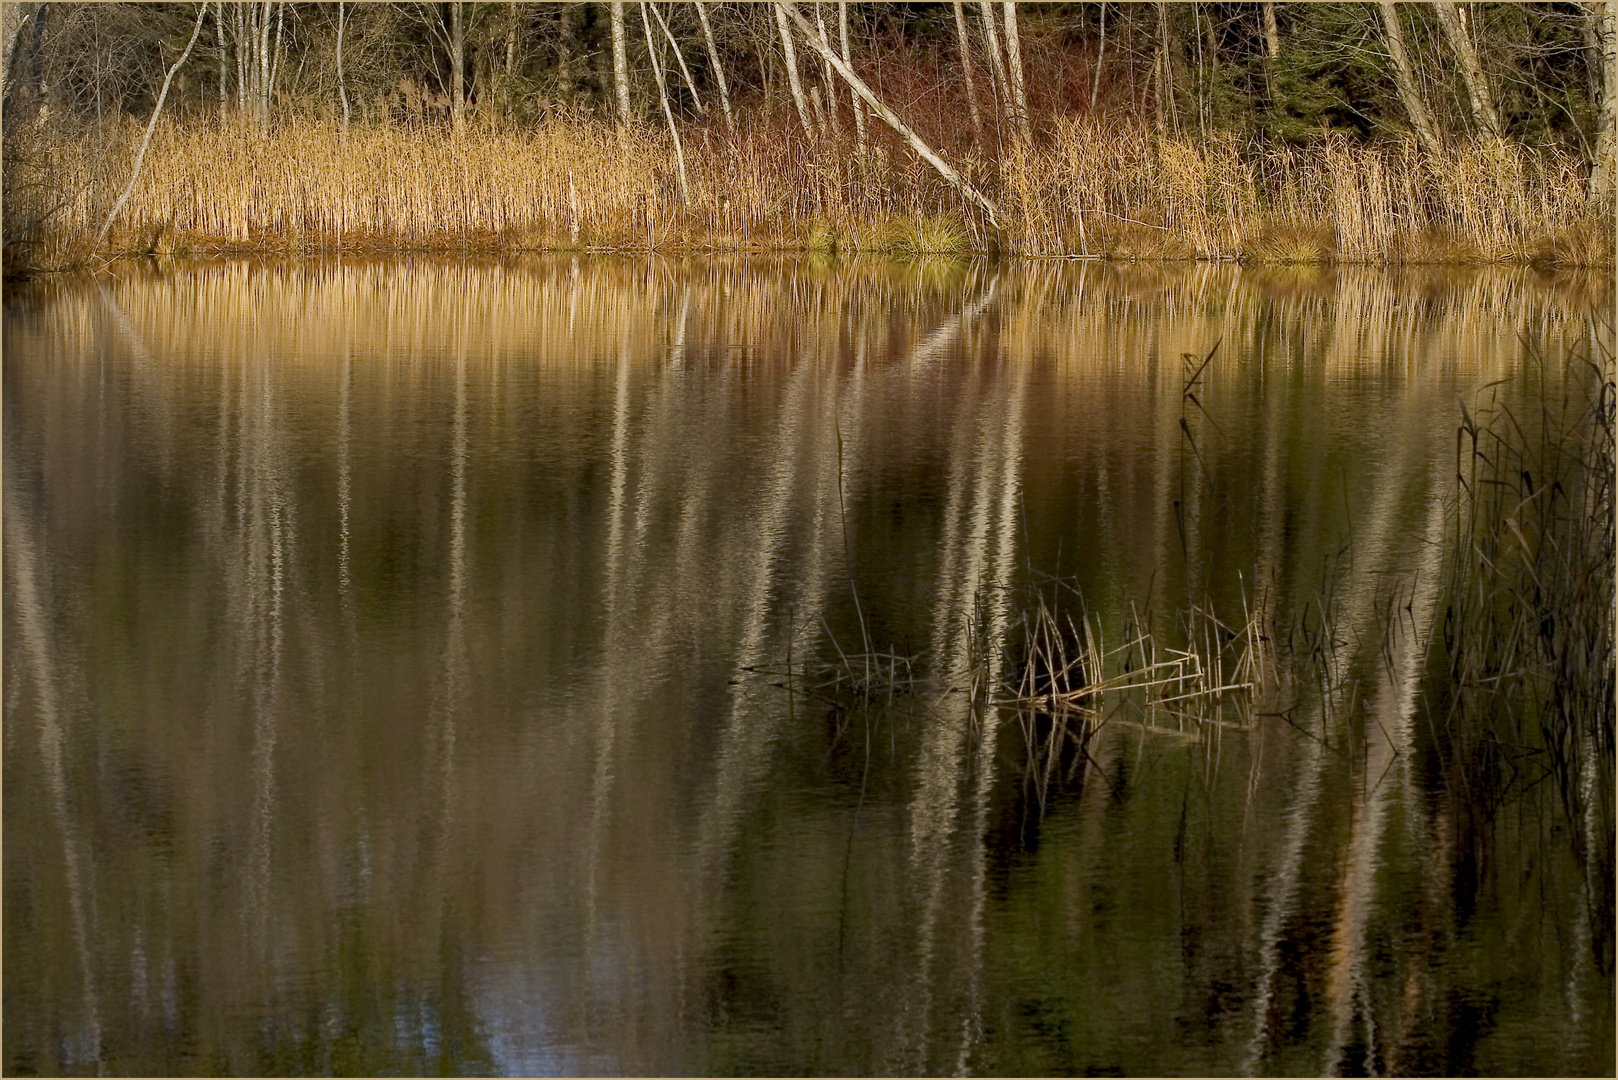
400 640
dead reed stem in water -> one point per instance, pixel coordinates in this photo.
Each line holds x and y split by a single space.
1089 188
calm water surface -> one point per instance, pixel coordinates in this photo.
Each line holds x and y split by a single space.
391 655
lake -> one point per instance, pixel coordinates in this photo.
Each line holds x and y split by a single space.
592 665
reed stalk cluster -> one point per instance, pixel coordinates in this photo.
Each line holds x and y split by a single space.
1116 190
1521 682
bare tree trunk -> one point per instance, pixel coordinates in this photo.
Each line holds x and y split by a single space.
718 68
967 73
663 98
1477 83
848 58
823 47
620 61
997 61
1404 78
1101 55
1166 109
457 73
1605 165
513 25
224 57
1272 31
798 98
832 123
685 72
342 88
151 125
1019 92
261 96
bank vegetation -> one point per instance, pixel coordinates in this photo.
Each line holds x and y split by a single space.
1252 132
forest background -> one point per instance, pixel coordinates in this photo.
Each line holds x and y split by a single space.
1372 132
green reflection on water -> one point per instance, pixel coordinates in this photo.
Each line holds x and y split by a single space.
385 643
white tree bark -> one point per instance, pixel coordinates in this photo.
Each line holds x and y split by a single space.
620 61
848 58
967 73
151 124
679 58
855 83
796 86
663 99
1404 78
997 61
718 68
1472 74
1019 92
342 87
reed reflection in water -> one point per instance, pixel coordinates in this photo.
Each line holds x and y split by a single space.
391 653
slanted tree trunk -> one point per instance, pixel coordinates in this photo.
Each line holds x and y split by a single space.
663 99
1019 92
14 19
151 124
965 40
791 54
855 83
1404 78
620 62
1472 74
1604 168
848 58
679 57
718 68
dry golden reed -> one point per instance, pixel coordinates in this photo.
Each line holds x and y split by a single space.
1116 190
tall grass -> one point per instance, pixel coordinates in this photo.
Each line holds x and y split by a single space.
1117 190
1522 686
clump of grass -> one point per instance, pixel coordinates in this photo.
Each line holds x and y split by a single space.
1289 242
1521 685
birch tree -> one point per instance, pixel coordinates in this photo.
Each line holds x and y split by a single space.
1019 93
717 66
848 58
146 140
620 61
858 86
965 41
663 99
1404 79
1472 74
791 55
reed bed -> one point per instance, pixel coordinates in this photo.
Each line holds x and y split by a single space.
1087 188
1521 681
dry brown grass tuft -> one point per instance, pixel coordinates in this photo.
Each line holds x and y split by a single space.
574 182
